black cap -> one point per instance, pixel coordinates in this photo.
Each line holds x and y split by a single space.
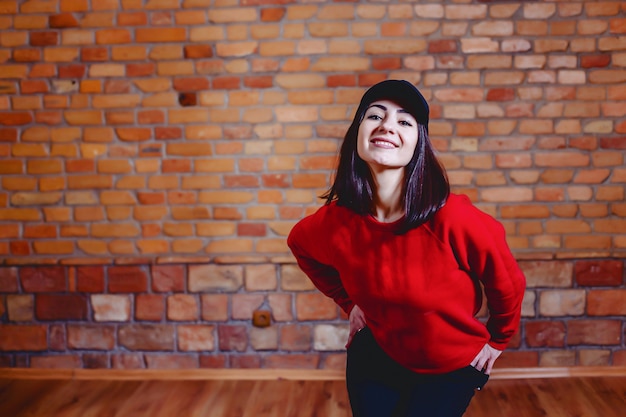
400 92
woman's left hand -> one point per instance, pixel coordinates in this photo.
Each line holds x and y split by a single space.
357 322
486 358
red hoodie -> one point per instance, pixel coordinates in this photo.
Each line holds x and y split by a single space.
419 291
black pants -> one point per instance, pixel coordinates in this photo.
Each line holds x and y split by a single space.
380 387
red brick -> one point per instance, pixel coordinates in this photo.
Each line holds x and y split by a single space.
618 25
95 361
140 70
120 118
276 180
191 84
15 118
606 303
213 361
19 247
512 359
198 51
442 46
132 19
214 307
232 337
315 306
133 134
367 80
63 20
40 231
595 61
127 279
175 165
182 307
226 83
500 94
94 54
117 86
150 117
296 337
545 334
147 337
80 165
72 71
245 361
149 307
237 132
594 332
127 361
8 135
241 181
27 55
113 36
273 14
56 337
90 336
386 63
23 338
44 38
168 278
167 133
244 305
260 81
341 80
42 70
90 279
599 272
251 229
619 358
33 86
43 279
151 198
61 307
151 35
49 117
8 279
56 362
613 143
171 361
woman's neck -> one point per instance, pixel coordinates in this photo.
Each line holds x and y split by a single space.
388 205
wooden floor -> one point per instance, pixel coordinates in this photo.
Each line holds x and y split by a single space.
569 396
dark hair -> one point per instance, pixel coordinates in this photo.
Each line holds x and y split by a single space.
425 188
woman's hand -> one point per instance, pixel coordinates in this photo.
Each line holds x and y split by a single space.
486 358
357 322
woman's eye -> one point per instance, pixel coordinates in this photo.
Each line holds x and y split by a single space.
405 123
374 117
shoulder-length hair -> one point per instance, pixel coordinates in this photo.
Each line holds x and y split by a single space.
425 189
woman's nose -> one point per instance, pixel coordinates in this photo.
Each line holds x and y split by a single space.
386 125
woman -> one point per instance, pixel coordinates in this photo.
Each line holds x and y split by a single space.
406 260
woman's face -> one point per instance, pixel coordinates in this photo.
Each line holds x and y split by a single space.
387 136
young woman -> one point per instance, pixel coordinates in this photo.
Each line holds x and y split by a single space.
407 261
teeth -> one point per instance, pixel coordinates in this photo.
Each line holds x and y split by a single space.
383 142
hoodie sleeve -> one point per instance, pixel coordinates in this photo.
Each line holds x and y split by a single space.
479 243
308 241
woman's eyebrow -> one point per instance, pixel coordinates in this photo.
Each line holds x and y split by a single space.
380 106
383 108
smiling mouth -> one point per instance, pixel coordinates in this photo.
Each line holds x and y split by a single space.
383 143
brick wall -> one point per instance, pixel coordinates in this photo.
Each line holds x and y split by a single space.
155 153
189 316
